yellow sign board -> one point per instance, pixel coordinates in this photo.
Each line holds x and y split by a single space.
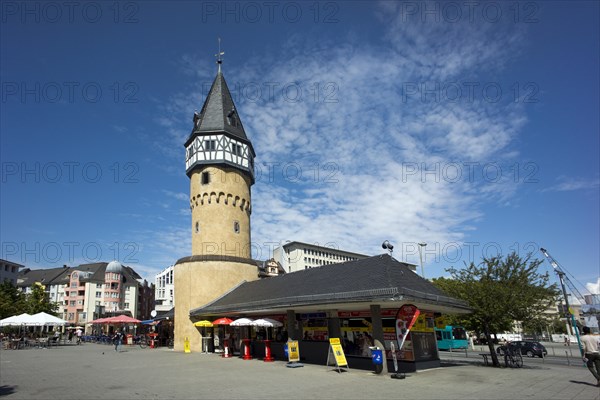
440 322
186 345
338 353
293 351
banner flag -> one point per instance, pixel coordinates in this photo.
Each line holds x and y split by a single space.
405 319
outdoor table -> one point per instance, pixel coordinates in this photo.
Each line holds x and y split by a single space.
205 344
153 339
226 352
268 356
246 345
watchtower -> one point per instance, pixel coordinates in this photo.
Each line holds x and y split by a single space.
220 165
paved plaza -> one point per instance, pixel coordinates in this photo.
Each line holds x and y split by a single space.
95 371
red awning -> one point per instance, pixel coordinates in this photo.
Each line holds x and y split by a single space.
120 319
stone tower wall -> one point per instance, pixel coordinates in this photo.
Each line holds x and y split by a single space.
216 207
198 283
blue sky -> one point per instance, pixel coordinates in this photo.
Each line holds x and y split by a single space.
472 128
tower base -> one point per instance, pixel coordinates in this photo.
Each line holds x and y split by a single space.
199 280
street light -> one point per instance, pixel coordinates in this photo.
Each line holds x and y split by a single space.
421 245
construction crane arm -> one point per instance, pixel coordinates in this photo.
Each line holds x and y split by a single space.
562 274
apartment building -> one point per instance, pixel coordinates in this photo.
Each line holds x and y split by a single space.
164 290
9 271
88 291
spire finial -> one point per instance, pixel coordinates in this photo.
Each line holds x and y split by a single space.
219 56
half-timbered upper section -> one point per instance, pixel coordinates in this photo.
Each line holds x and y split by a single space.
218 136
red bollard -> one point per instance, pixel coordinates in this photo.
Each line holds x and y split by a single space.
268 356
247 355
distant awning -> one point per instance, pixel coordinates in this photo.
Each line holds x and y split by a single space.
168 315
150 322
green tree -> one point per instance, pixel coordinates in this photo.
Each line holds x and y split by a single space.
37 300
12 300
500 291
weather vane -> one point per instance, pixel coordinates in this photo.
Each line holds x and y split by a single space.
219 55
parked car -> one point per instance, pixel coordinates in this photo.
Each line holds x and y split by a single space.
482 340
528 348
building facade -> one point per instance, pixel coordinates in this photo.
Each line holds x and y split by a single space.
88 291
164 292
296 256
358 302
9 271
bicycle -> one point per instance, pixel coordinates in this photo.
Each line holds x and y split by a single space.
512 358
143 341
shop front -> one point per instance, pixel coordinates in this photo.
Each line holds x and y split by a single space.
419 350
357 302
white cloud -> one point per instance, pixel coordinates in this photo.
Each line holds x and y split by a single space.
331 164
593 288
567 184
184 197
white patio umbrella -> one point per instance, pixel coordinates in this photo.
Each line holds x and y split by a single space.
247 322
242 322
267 323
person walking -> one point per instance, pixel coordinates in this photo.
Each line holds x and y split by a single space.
591 355
117 340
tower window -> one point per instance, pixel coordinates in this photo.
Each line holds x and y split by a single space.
205 178
236 227
197 227
236 149
232 118
210 145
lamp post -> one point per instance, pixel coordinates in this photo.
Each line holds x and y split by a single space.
421 245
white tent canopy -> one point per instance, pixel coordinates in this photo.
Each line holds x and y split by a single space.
39 319
15 320
43 319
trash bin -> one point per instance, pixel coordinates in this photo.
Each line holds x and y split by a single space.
377 357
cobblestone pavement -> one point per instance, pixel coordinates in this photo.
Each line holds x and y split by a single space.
94 371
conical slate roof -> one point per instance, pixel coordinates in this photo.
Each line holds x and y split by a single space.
219 113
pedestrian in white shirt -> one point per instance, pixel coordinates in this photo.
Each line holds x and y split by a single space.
591 355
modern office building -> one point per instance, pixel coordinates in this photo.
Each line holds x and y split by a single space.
296 256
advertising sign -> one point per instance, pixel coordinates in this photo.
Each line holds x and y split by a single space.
425 323
293 351
335 347
405 319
